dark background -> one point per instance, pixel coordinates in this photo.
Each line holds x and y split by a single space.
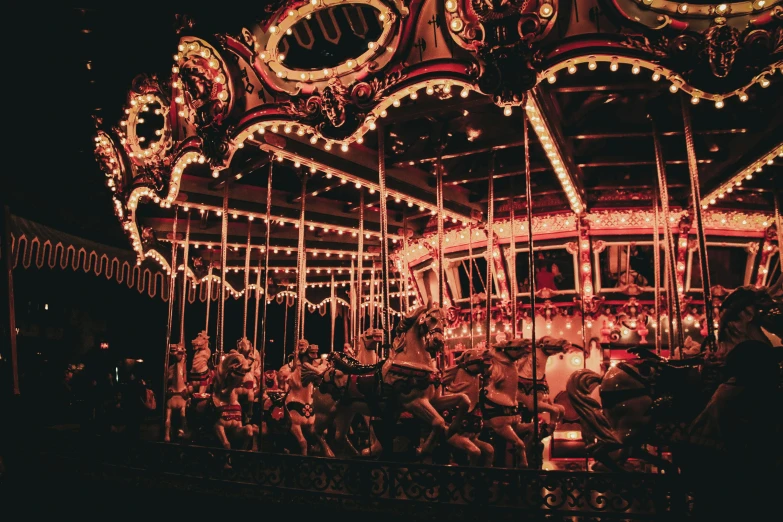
65 67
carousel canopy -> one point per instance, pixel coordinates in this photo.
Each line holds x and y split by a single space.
327 97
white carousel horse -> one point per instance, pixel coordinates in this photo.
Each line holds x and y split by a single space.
299 399
622 422
325 404
465 378
199 377
229 378
176 390
407 381
545 348
500 407
251 386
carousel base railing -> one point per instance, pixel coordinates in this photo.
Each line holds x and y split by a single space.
408 489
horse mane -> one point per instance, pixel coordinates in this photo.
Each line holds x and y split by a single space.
409 320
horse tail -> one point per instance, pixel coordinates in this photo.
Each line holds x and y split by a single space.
591 416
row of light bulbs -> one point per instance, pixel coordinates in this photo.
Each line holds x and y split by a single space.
744 175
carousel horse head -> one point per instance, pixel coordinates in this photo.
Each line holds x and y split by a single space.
747 312
270 379
306 350
232 369
201 342
553 346
245 347
177 352
424 323
512 350
371 338
348 350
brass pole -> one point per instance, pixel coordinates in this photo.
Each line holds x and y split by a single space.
186 255
223 261
268 222
532 276
172 284
693 170
385 312
490 247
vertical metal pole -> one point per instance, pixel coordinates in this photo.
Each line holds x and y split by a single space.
332 306
268 221
532 276
693 169
184 297
439 198
513 265
301 280
470 283
209 292
359 260
172 285
223 261
349 338
372 295
674 322
657 261
385 312
11 310
490 247
247 281
405 269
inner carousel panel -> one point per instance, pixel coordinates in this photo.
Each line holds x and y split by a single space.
543 237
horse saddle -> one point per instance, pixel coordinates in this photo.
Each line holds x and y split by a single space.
350 366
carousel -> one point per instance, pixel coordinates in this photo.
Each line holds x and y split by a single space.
543 232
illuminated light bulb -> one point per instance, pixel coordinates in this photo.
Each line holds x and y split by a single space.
397 200
328 146
656 75
349 63
764 82
372 125
694 100
344 147
591 64
430 89
546 10
571 68
673 88
414 95
396 103
552 78
759 4
384 113
358 185
613 66
372 191
215 173
451 6
719 104
410 204
507 110
456 24
289 32
280 74
682 8
343 181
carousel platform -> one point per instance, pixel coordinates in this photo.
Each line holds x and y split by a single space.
120 475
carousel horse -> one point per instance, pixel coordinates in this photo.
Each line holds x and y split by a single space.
465 377
229 381
299 399
405 382
285 372
499 402
252 383
327 413
176 390
635 396
750 313
199 377
545 348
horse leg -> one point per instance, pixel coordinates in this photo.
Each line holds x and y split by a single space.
487 451
507 433
220 431
296 431
462 442
183 420
342 423
167 425
460 402
422 409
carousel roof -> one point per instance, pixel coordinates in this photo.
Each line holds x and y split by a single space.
304 89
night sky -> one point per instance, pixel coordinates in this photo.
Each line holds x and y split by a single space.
72 65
